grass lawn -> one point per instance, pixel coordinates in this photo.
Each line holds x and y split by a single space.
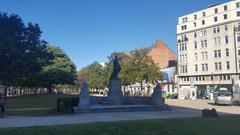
229 125
32 105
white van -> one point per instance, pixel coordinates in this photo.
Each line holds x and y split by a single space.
222 97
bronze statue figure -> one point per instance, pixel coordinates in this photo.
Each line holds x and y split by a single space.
116 69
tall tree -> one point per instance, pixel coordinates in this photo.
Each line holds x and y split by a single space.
59 70
20 48
95 75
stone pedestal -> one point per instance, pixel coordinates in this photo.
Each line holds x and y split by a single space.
156 98
115 91
84 96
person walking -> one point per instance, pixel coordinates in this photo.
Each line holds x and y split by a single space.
2 105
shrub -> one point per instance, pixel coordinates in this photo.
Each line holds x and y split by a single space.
65 105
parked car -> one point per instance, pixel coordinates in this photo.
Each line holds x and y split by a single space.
222 97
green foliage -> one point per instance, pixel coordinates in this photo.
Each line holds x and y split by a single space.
136 66
21 50
59 69
95 75
26 60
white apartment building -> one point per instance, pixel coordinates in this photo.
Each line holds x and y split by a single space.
209 49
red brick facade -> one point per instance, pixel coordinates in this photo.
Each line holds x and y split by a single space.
162 54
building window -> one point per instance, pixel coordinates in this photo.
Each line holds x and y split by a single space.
218 29
196 56
227 52
238 37
238 13
205 43
206 67
228 77
228 65
215 19
219 53
226 28
214 30
202 44
203 69
204 14
204 55
203 22
203 33
225 16
238 52
216 66
219 65
195 17
195 45
225 8
215 53
184 20
226 39
195 24
183 47
184 27
216 10
237 4
195 34
196 68
183 69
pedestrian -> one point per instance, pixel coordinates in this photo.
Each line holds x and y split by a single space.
2 105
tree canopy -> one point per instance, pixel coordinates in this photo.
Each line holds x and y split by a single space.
136 66
58 70
26 60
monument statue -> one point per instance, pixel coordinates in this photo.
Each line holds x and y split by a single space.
116 69
115 86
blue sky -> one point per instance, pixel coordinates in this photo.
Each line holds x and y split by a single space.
90 30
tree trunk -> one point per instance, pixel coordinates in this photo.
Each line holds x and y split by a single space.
5 91
50 90
20 90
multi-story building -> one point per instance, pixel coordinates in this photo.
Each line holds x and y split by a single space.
209 49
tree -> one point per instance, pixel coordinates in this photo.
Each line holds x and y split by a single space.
21 51
137 66
59 70
95 75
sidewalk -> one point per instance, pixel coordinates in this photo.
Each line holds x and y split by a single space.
180 109
94 117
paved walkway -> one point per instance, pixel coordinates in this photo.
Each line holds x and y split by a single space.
181 109
202 104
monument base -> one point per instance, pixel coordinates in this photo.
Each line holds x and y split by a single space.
115 91
121 108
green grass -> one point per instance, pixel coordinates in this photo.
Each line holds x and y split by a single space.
33 105
189 126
